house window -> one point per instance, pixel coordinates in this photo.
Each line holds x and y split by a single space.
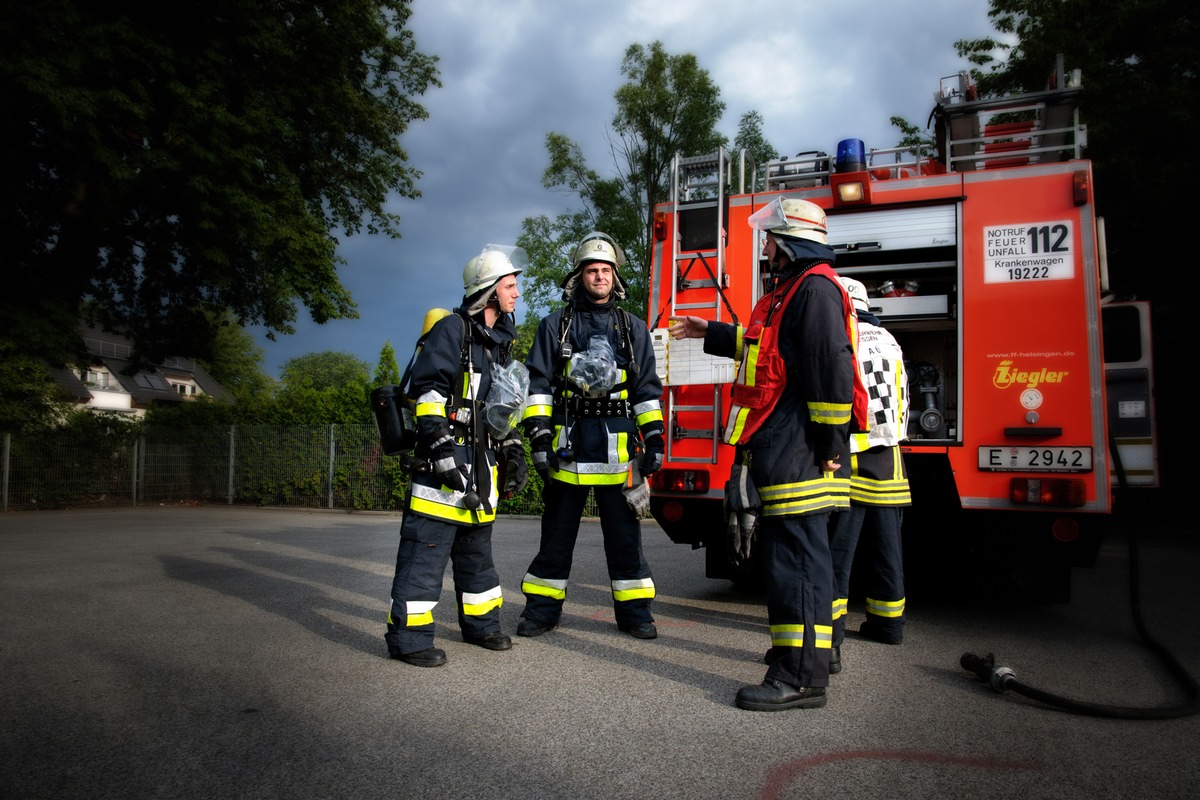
97 379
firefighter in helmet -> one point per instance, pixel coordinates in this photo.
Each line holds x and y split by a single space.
879 489
791 408
593 393
453 492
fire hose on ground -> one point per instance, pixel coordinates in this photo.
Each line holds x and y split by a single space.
1002 678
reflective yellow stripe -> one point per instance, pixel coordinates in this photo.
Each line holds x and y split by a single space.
751 364
476 604
830 413
823 636
649 416
787 635
546 587
613 472
805 496
885 608
880 493
430 410
418 613
737 420
841 607
450 513
638 589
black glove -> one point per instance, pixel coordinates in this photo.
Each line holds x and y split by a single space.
652 454
446 463
516 472
542 448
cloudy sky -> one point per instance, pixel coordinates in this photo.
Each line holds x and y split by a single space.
514 70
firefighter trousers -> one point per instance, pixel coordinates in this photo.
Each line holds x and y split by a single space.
875 532
425 546
799 572
545 584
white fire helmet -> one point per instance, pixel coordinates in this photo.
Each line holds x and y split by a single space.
857 292
486 269
596 246
798 219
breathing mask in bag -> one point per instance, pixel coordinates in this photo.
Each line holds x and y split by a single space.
506 399
594 371
741 506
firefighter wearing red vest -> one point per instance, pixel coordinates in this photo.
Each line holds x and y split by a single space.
593 392
795 395
453 492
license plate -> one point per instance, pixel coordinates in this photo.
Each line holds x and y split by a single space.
1035 459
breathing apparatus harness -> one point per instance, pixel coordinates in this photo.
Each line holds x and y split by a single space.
585 406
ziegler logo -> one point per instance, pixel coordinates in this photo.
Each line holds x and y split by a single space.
1006 376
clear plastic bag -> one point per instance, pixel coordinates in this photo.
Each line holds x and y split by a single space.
506 399
595 371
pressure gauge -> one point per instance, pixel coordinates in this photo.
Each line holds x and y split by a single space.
1031 399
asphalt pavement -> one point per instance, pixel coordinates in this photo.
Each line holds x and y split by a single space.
229 652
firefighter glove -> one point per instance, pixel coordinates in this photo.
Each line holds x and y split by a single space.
516 472
652 454
446 463
542 448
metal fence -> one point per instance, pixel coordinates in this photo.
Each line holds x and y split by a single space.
327 466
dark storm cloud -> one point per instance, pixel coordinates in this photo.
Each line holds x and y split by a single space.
514 71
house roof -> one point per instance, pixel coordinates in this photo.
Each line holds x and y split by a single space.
147 384
70 383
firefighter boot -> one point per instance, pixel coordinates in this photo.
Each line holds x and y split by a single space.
493 641
429 657
640 630
532 627
773 695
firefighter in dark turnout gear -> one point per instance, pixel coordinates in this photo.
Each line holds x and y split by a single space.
790 418
593 391
453 491
879 489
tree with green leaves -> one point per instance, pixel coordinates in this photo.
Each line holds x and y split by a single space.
1138 60
237 364
668 105
387 371
750 138
325 370
168 167
322 388
30 400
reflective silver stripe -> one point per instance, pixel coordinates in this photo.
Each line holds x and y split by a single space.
649 405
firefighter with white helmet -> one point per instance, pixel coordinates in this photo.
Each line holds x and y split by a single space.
792 404
593 392
879 489
455 489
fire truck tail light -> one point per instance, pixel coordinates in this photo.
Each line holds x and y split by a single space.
1079 188
660 227
680 480
1047 491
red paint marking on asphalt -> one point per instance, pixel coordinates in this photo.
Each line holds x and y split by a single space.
781 776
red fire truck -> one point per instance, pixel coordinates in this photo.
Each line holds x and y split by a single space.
1031 389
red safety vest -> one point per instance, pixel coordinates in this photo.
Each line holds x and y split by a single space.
762 375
